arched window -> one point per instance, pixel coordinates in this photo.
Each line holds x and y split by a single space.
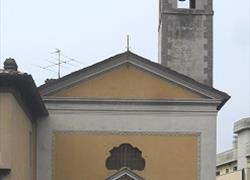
125 156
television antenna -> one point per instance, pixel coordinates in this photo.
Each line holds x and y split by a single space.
61 60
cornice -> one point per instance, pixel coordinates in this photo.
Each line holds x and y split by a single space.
127 105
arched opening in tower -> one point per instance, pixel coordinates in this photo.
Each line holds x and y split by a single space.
186 4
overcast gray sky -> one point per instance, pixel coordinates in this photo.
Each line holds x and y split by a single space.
91 31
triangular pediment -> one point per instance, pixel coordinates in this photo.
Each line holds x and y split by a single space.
125 174
127 82
128 76
126 177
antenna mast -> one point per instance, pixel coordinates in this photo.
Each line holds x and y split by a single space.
61 60
58 52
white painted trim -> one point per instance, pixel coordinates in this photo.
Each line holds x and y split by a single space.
123 175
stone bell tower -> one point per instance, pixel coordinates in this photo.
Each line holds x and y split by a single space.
186 38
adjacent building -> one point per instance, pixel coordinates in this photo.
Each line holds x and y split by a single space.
234 164
21 106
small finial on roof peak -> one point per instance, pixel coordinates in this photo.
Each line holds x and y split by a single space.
128 43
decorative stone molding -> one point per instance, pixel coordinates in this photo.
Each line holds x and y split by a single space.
127 133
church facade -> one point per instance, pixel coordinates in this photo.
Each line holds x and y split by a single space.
127 117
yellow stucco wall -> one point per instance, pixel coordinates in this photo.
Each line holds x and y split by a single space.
128 82
5 126
82 156
15 128
247 171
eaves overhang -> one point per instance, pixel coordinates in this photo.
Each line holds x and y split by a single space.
131 105
27 92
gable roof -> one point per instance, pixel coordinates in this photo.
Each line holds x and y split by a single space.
129 57
123 173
